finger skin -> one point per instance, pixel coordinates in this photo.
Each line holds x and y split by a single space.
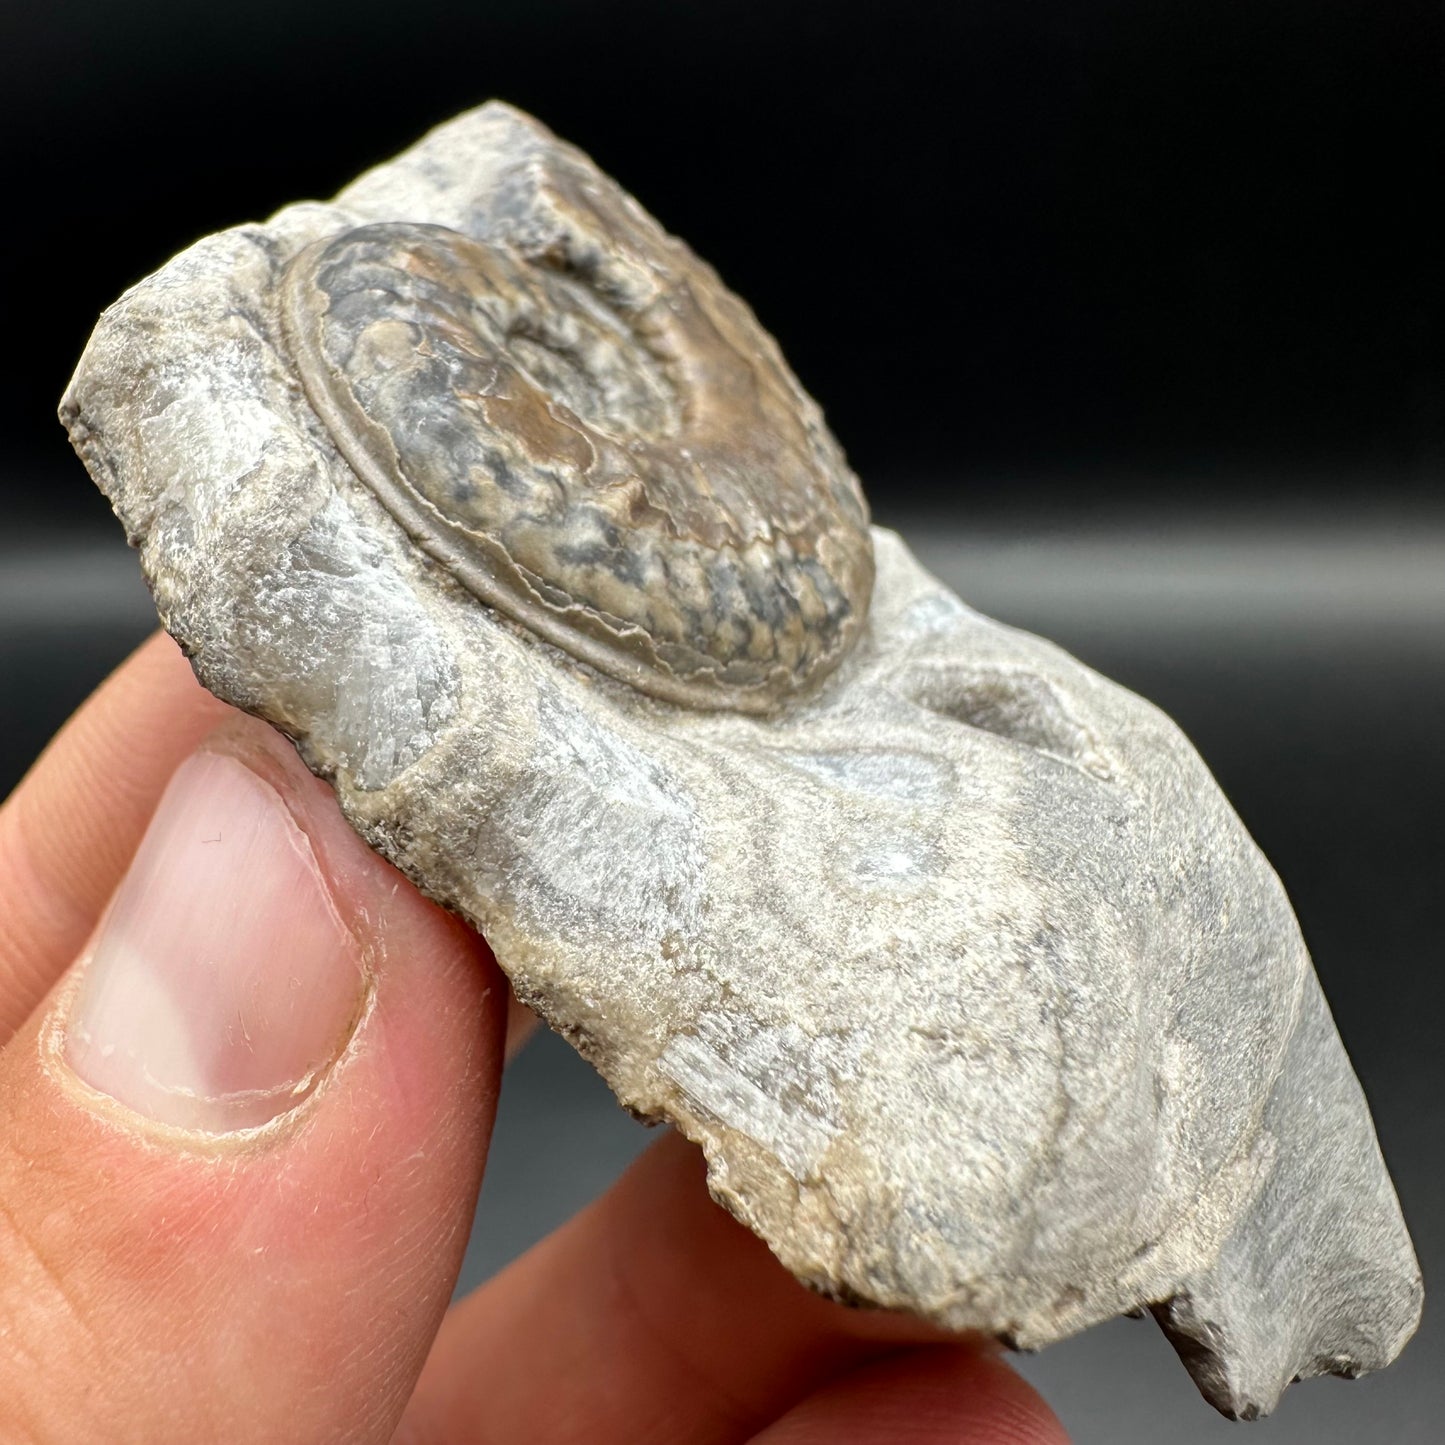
69 829
924 1397
279 1284
651 1317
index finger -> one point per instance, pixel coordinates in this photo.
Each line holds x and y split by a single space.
654 1316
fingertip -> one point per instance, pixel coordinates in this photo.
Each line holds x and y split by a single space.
934 1395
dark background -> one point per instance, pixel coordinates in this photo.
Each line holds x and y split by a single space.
1130 315
1008 245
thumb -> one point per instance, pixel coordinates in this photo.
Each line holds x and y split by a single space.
241 1144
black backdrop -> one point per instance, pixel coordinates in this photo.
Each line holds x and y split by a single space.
1097 248
1051 266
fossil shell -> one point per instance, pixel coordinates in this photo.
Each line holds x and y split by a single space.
594 437
959 966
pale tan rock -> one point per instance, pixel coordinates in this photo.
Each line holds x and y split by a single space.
949 952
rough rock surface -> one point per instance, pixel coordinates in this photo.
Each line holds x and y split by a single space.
961 969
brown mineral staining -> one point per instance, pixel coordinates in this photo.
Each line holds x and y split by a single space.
630 471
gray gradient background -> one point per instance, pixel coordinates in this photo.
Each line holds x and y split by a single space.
1305 656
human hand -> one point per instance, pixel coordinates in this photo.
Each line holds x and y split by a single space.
241 1140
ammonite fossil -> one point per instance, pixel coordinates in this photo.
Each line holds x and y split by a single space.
949 952
595 437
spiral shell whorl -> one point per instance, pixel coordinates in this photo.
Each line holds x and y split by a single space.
590 433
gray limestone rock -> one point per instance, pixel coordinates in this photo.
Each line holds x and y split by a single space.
949 952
